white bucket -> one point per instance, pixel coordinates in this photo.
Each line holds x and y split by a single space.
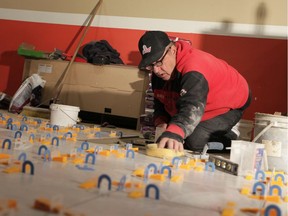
63 115
272 130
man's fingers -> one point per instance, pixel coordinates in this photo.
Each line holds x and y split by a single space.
162 143
171 144
180 147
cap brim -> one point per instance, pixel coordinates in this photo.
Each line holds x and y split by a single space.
150 59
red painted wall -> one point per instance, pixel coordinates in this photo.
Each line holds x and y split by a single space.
262 61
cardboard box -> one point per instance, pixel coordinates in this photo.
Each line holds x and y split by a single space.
117 90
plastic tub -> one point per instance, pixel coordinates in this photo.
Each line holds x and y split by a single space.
64 115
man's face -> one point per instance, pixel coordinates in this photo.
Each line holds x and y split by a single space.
164 67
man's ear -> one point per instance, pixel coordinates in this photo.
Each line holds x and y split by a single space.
174 49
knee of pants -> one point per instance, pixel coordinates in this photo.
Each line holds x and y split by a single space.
194 144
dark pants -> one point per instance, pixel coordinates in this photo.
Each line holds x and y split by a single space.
217 129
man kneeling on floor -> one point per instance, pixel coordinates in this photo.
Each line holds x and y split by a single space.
198 98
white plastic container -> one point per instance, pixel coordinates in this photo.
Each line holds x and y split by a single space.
64 115
249 156
272 131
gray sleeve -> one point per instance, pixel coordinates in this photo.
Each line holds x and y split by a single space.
192 102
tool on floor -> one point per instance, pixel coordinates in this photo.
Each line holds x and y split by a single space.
209 146
221 163
224 164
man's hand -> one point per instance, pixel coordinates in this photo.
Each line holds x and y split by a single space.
171 144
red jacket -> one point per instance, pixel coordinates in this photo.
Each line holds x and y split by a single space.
202 87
